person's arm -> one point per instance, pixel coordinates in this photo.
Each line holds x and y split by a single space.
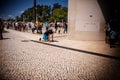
48 37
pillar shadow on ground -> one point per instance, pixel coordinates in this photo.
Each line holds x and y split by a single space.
78 50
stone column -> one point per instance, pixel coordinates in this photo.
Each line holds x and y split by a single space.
85 20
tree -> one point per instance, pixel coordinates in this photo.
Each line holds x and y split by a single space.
45 13
60 14
56 6
17 18
51 19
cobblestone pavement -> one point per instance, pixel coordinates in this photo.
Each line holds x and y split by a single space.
23 59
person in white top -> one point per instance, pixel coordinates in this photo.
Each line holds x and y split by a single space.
32 26
26 25
16 26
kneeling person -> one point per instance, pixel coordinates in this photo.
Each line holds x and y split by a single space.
46 35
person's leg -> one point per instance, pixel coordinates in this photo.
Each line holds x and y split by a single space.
40 30
106 39
37 28
1 36
112 43
33 30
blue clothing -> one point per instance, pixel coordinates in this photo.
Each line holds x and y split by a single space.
45 36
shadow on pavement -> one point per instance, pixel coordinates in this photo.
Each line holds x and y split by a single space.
54 41
4 38
5 31
78 50
24 40
60 36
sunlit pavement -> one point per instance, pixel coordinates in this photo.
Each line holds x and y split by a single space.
24 57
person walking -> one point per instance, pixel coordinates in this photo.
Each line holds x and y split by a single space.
1 28
56 26
26 26
107 32
65 27
16 25
47 26
32 26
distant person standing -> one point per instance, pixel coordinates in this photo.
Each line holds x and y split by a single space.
46 25
32 26
1 29
37 24
26 26
20 26
107 32
16 25
40 28
56 26
65 27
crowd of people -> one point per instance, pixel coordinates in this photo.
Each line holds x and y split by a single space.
112 29
37 27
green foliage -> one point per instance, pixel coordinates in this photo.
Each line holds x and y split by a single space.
45 13
56 6
59 14
51 19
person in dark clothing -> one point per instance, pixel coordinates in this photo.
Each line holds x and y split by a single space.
1 29
56 26
107 32
65 27
40 28
114 26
